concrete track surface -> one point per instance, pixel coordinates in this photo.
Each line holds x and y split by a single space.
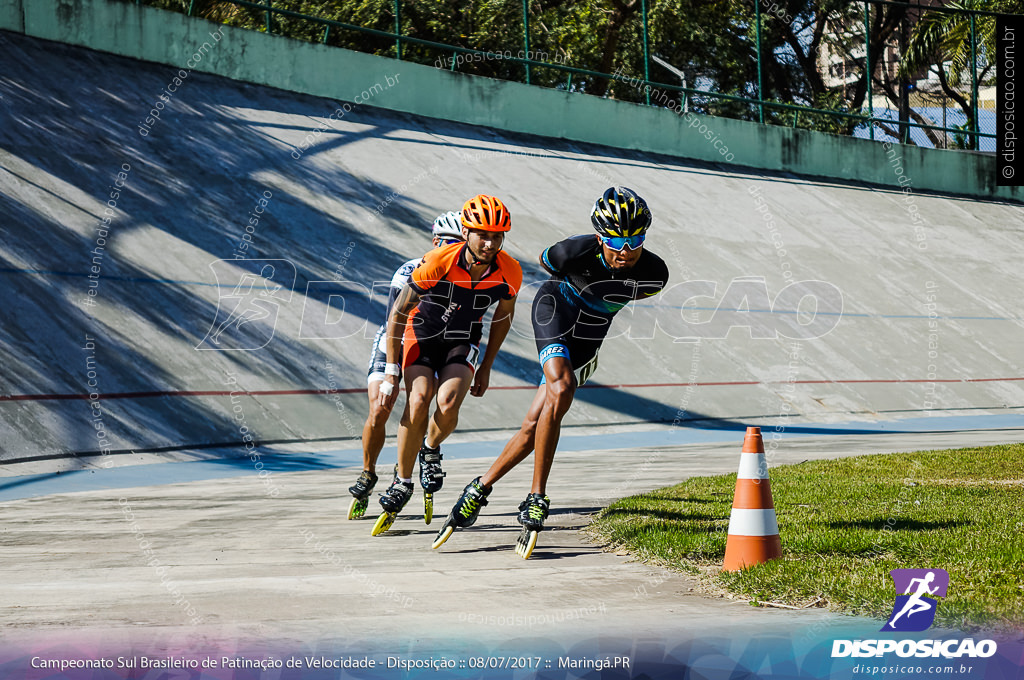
289 575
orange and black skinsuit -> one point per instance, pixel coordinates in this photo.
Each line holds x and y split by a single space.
445 327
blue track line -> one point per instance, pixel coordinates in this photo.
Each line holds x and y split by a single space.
127 477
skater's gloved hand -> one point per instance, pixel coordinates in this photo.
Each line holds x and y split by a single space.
480 381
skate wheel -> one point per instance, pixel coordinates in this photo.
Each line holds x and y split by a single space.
442 536
357 508
526 542
383 523
428 507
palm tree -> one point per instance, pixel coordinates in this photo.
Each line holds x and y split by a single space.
944 37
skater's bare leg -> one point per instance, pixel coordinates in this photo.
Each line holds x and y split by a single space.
561 384
521 444
453 386
540 430
420 386
375 428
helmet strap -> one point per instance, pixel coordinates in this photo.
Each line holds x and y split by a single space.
471 257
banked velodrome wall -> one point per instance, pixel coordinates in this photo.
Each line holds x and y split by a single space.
929 320
169 38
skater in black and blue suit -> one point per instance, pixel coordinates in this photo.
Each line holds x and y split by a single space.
592 278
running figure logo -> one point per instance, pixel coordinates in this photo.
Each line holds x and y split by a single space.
914 610
251 296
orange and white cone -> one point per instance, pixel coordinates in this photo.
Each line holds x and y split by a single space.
753 528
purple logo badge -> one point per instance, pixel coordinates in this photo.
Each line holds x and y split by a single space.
914 610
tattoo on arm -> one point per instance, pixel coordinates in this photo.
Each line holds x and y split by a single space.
406 300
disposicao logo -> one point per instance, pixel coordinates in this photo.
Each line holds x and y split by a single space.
914 611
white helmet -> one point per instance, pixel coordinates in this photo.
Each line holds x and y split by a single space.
448 225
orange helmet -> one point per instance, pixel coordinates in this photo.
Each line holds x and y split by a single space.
487 213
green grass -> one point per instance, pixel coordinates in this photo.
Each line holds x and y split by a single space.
845 524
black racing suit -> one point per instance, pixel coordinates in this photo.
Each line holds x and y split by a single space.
574 309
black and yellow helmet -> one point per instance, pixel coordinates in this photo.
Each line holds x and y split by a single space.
620 212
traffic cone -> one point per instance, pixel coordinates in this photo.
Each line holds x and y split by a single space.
753 529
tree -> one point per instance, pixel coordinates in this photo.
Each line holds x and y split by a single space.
942 42
713 42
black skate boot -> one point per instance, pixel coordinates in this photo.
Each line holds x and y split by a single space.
431 478
532 513
392 501
431 475
464 512
361 491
